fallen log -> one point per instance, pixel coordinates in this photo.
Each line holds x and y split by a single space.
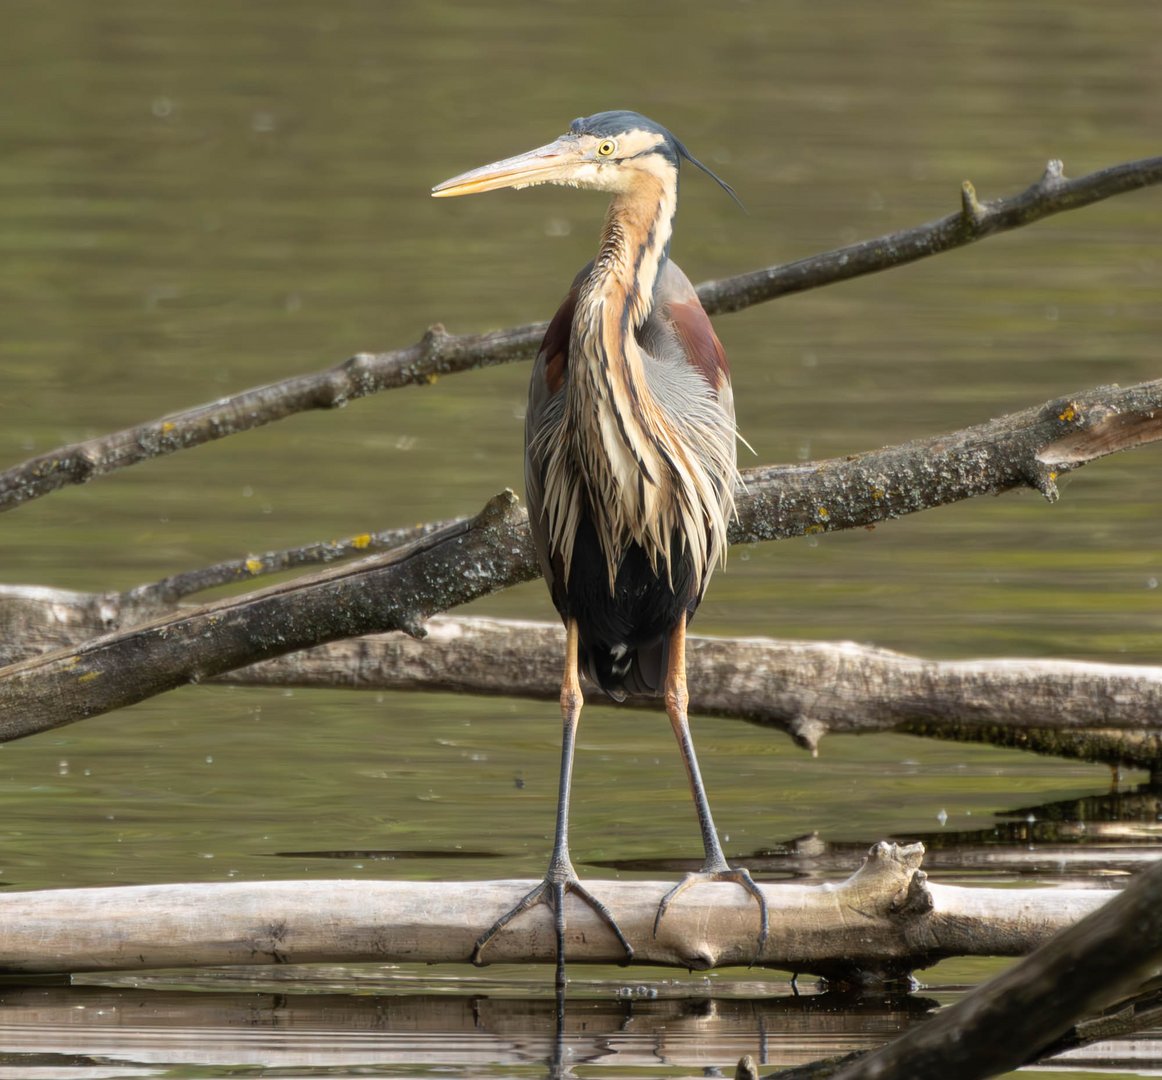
880 924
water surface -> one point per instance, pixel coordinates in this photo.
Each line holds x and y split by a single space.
196 199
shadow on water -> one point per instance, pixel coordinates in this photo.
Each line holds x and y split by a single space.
1070 840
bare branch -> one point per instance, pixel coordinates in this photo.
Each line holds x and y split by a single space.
883 922
438 353
1052 194
466 560
1026 449
807 689
441 353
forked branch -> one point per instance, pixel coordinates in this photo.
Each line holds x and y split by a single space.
1052 194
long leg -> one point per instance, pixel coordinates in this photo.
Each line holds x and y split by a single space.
561 879
715 867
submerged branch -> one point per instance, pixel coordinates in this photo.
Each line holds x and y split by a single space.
882 923
1009 1020
439 352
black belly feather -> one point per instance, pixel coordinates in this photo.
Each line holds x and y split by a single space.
624 636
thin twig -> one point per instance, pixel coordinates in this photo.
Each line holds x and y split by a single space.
169 590
441 353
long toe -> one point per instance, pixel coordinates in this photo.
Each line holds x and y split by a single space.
739 876
603 913
540 895
552 891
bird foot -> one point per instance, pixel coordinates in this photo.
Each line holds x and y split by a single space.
739 876
552 891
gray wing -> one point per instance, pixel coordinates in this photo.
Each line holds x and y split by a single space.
689 377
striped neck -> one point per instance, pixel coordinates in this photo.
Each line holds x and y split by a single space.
634 244
617 433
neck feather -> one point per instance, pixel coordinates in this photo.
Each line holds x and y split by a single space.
618 454
608 396
634 243
616 431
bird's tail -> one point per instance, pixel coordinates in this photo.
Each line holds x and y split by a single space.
621 670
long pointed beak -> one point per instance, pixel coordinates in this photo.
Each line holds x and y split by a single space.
541 166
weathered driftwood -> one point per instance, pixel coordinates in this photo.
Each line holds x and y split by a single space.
806 688
400 589
883 922
439 353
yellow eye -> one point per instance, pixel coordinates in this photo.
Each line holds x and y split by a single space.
606 147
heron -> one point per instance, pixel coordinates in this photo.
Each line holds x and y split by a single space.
630 464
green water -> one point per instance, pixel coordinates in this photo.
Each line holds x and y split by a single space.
199 198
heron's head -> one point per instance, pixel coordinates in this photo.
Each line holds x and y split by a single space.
609 151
